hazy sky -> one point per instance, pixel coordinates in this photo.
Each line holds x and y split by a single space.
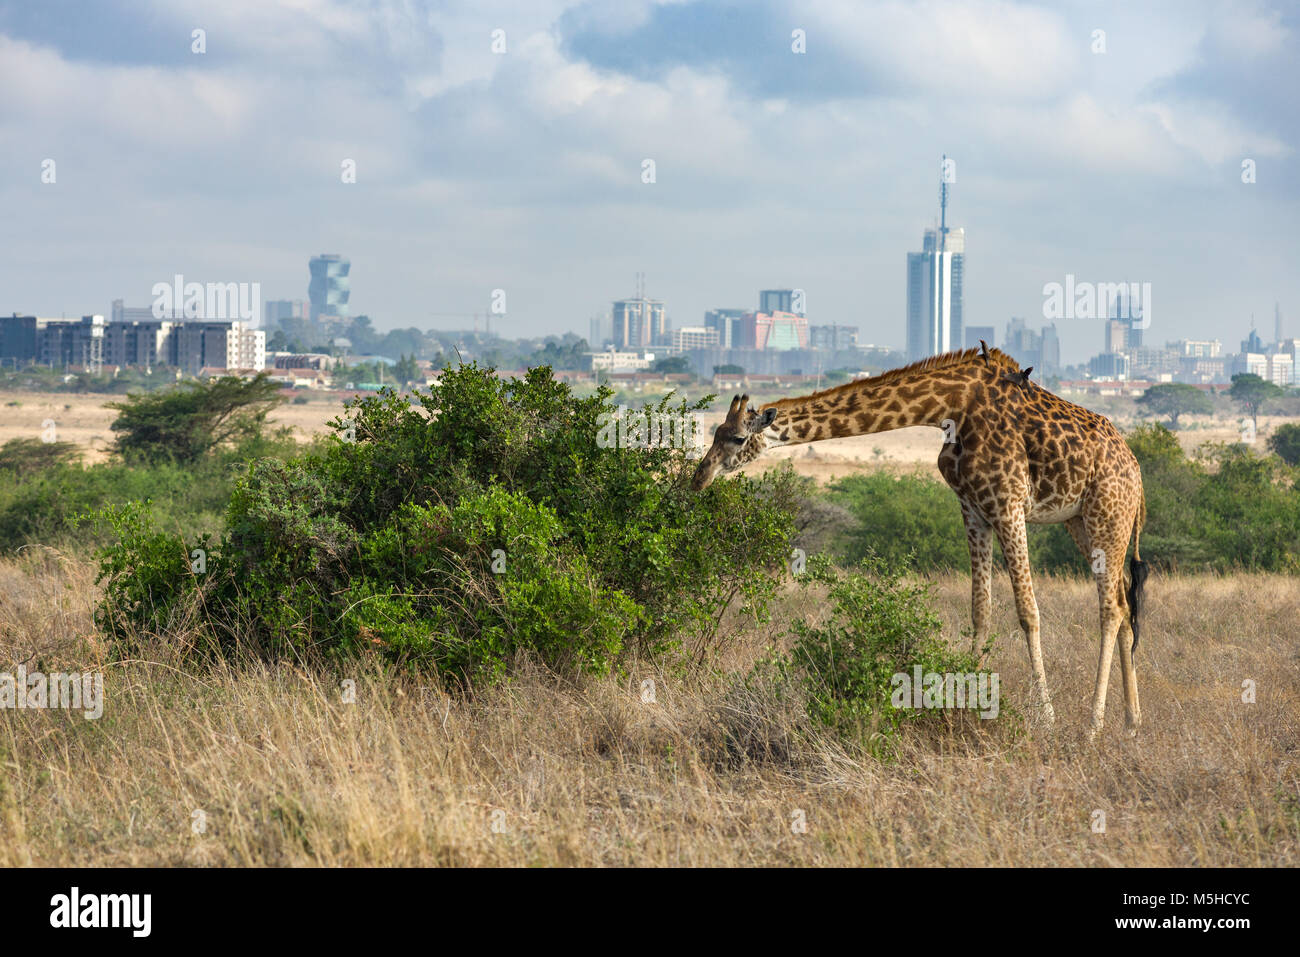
522 170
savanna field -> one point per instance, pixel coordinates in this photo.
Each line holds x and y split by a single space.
641 681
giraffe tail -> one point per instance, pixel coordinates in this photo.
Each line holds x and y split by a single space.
1138 572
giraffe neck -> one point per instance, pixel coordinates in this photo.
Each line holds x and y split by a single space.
923 397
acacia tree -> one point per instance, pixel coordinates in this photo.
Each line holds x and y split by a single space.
185 423
1252 392
1172 399
1285 443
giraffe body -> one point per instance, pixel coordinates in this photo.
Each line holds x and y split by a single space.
1014 453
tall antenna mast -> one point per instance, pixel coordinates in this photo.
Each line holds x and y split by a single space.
943 204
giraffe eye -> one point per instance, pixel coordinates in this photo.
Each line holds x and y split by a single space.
738 439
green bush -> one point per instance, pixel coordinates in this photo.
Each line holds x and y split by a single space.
482 520
148 574
41 498
908 518
880 627
915 520
1285 443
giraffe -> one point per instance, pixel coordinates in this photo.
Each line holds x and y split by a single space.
1014 453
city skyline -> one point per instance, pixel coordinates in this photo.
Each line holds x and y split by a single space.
525 170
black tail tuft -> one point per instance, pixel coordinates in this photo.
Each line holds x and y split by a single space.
1137 578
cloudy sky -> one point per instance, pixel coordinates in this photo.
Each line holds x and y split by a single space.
523 170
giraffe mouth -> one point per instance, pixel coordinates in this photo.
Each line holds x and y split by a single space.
702 478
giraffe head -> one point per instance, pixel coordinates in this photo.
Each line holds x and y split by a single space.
736 441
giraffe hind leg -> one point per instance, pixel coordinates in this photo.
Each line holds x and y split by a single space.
1110 537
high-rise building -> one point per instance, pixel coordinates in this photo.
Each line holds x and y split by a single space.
17 340
146 343
1128 313
781 330
726 322
51 342
1198 348
639 323
123 313
693 337
219 345
1116 336
1049 360
330 287
772 301
1040 349
1020 342
934 285
934 293
833 338
277 310
1109 365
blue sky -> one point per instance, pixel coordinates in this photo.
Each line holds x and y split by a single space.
522 170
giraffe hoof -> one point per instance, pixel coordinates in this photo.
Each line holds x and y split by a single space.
1132 722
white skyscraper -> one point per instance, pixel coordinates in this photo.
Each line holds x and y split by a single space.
934 300
934 281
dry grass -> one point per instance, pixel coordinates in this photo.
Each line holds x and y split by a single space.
287 774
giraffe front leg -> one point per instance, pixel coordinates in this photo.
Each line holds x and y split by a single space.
1015 549
979 536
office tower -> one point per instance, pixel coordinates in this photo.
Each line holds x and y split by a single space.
1049 358
1029 347
278 310
725 321
693 337
639 323
780 331
329 288
772 301
1116 336
833 338
123 313
934 288
1130 313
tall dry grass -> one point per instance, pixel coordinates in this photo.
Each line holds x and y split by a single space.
544 772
